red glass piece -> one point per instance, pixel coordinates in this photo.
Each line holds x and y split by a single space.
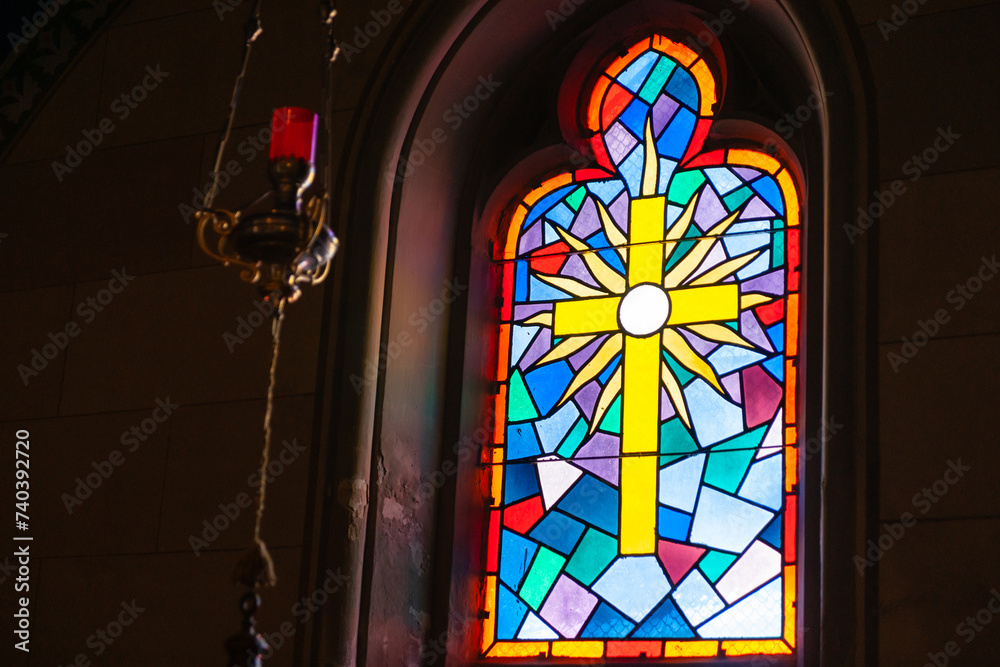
770 313
615 102
550 258
293 133
678 559
524 515
493 542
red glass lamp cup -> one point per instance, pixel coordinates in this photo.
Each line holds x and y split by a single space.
293 134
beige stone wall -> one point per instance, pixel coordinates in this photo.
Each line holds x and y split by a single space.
161 337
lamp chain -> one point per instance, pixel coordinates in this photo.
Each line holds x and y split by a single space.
253 31
266 453
256 568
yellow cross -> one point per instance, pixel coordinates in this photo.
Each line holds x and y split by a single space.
638 313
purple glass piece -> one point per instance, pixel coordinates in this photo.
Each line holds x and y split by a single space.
756 209
586 398
666 407
619 211
700 345
575 268
763 396
525 311
578 359
746 173
542 344
568 607
620 142
600 456
731 383
751 332
709 210
769 283
663 111
531 238
586 222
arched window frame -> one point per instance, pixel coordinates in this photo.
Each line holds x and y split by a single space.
442 51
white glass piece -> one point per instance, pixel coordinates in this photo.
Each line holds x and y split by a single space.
555 476
535 628
773 441
644 309
758 565
756 617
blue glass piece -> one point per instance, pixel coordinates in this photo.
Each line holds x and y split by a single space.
777 336
674 140
672 525
521 338
594 502
519 482
673 212
549 230
714 418
561 215
635 74
757 616
768 190
749 226
667 168
726 523
683 88
516 553
598 240
776 367
610 257
540 291
522 441
607 190
697 599
634 117
679 482
665 622
606 373
510 611
521 282
631 170
764 483
723 179
729 358
772 534
548 383
558 531
740 244
536 628
606 623
620 585
546 203
552 430
756 267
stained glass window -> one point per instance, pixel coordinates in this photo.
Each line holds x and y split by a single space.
642 483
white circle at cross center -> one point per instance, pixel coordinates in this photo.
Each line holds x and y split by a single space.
644 310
